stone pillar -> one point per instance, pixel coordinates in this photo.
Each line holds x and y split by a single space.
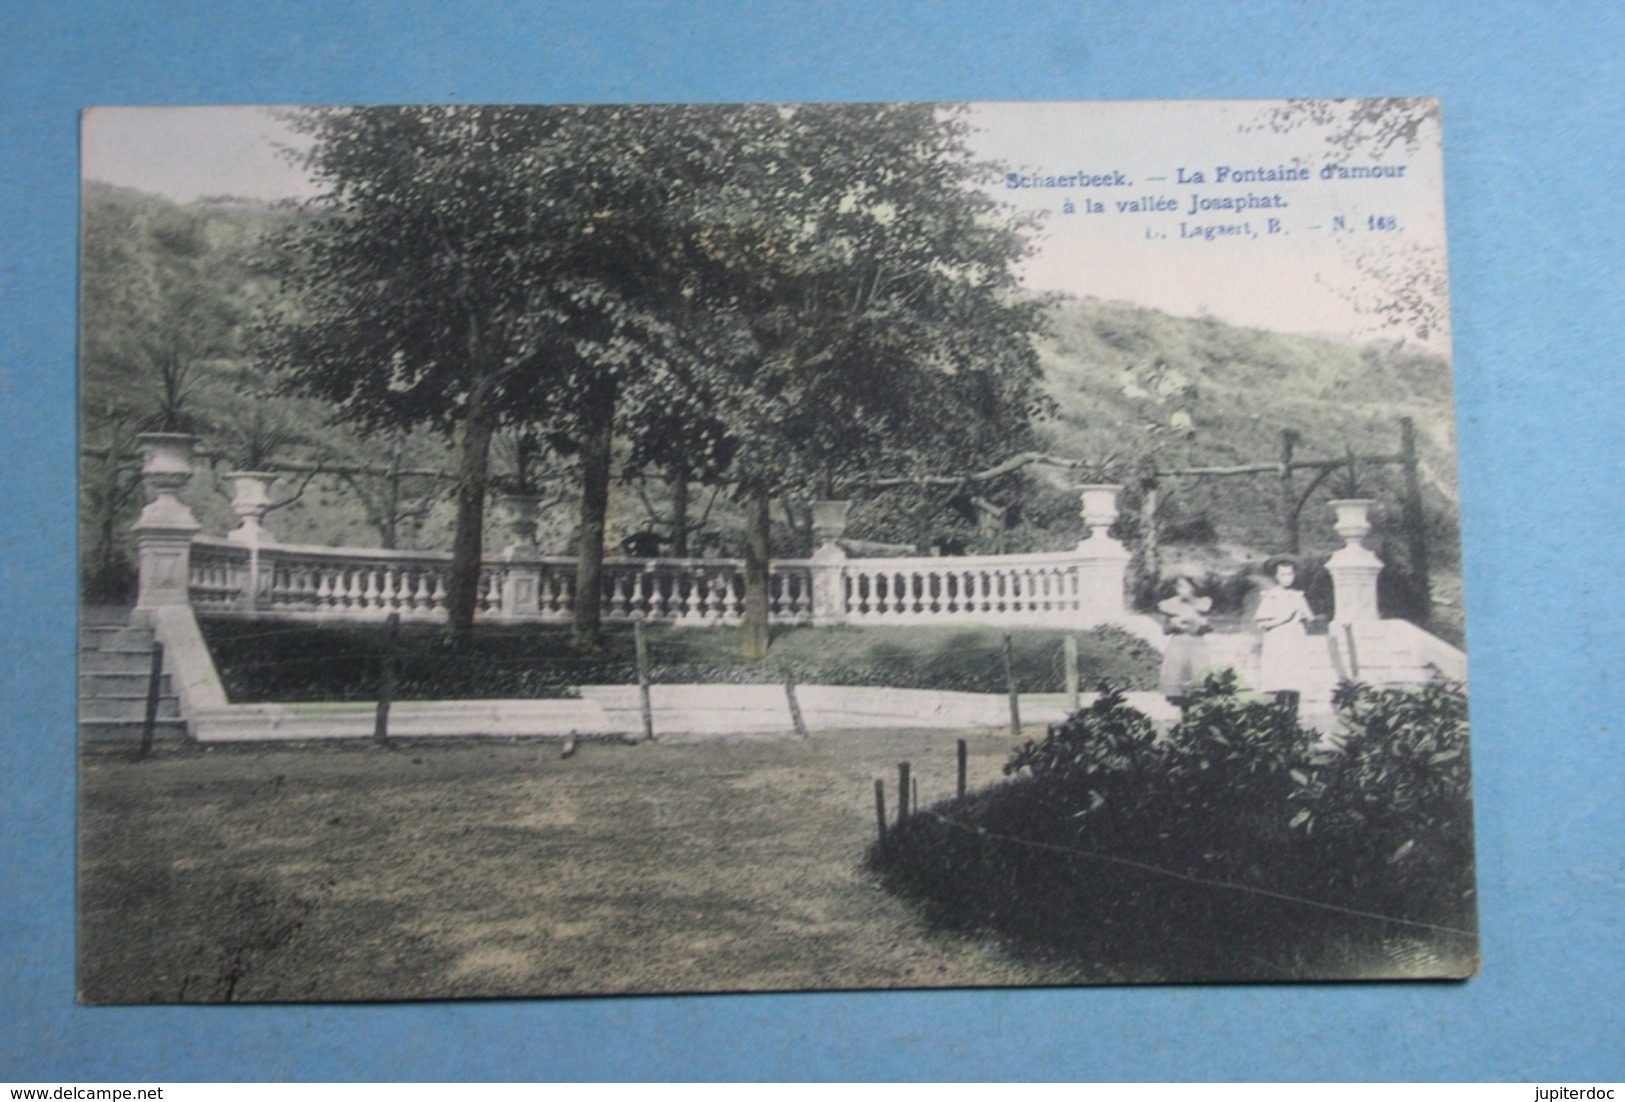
829 562
1353 567
251 500
165 528
829 584
1102 559
522 581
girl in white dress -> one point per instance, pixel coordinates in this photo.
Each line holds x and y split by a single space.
1283 615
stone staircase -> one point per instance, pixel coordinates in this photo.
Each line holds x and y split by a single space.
115 662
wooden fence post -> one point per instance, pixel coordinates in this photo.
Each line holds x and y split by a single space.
795 705
902 792
1010 680
155 681
1069 647
963 754
880 810
641 647
386 680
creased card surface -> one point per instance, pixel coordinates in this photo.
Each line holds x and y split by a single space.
602 549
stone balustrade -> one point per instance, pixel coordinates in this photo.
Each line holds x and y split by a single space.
328 583
1026 589
250 573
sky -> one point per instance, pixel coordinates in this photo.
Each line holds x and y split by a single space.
1304 272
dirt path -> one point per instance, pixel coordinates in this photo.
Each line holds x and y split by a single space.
346 871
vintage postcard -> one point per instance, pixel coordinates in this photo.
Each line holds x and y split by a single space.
561 550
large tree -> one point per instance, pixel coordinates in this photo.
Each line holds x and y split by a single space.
794 294
874 276
472 267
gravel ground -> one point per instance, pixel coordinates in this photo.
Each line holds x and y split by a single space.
455 869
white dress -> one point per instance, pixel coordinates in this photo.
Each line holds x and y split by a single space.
1283 663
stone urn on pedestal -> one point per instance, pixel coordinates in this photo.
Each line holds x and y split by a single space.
251 500
1102 559
165 528
829 521
521 582
1353 567
1098 502
524 511
828 563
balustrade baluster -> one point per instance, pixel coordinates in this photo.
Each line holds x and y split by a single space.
710 597
685 596
670 585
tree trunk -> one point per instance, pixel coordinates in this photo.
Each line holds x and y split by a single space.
392 503
473 460
597 447
1289 496
753 630
1150 532
679 512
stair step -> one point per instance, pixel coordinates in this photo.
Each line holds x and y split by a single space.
115 638
125 708
115 665
115 662
112 730
104 684
105 615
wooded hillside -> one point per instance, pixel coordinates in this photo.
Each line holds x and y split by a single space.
171 294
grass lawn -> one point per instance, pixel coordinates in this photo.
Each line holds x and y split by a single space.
446 869
265 661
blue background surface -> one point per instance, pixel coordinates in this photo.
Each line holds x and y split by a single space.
1532 97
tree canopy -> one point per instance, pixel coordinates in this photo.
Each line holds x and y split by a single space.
782 297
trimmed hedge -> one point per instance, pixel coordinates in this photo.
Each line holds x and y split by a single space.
260 661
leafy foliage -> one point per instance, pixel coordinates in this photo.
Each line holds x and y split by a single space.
1233 844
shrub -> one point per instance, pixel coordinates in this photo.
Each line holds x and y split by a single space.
1235 843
